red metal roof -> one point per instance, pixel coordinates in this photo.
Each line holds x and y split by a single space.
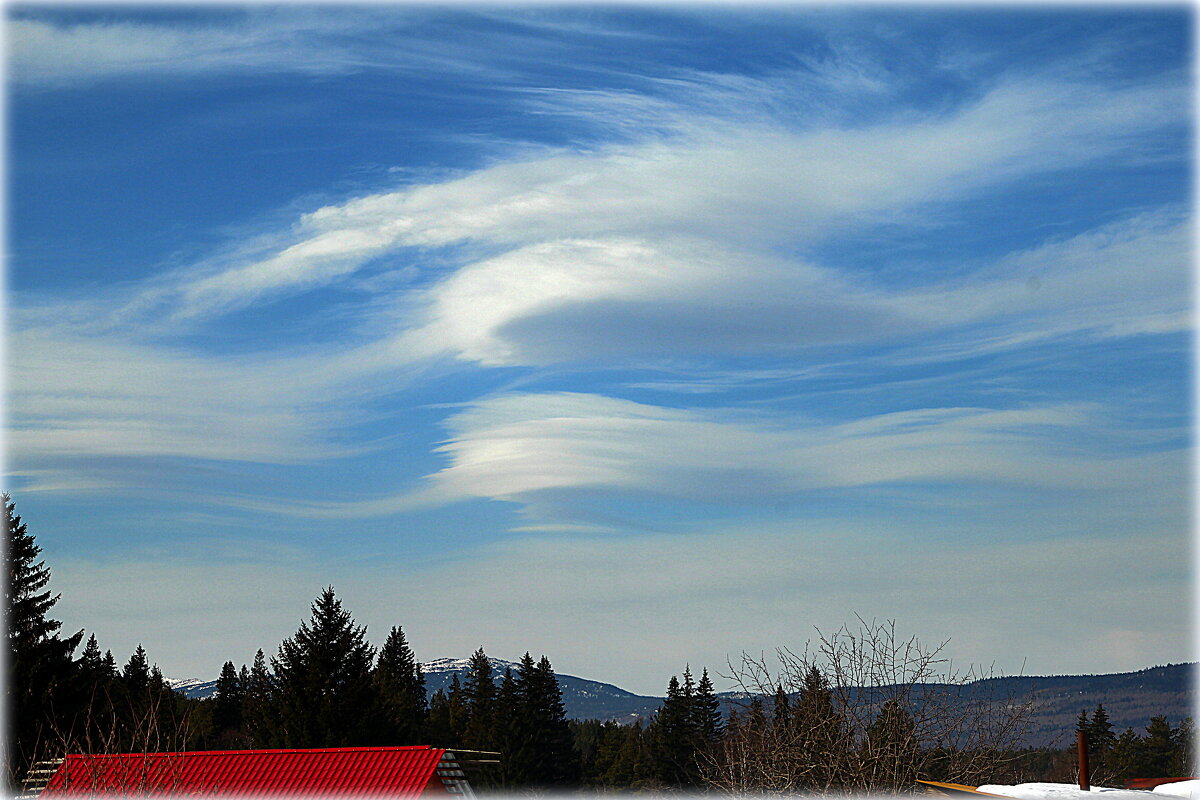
345 772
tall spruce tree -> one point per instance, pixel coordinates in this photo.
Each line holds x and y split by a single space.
325 696
673 734
479 693
707 711
401 687
1158 749
40 668
541 751
258 696
781 711
136 673
228 703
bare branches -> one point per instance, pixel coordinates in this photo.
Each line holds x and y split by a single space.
872 711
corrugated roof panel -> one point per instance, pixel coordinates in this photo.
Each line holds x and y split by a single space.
349 772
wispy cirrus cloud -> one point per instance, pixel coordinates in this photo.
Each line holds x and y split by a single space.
515 447
741 191
110 396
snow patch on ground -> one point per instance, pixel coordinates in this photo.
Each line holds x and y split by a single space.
1067 791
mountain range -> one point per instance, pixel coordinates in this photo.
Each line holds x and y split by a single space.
1129 698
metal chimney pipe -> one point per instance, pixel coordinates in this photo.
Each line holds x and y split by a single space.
1084 772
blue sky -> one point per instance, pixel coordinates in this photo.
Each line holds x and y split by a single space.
636 336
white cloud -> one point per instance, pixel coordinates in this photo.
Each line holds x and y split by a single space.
519 447
740 184
78 395
588 299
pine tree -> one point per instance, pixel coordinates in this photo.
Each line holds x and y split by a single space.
707 713
439 731
781 711
228 702
756 716
1185 754
91 662
506 730
401 687
1158 749
40 667
820 732
545 699
479 693
630 767
325 695
891 748
1101 739
1124 761
674 734
135 675
541 750
258 696
456 711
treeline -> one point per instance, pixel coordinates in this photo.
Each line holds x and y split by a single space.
1115 758
857 715
326 687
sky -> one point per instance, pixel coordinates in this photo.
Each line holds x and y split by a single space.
638 336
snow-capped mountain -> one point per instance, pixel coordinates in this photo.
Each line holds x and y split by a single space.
460 665
195 688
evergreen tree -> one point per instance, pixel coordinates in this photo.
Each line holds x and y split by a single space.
675 734
707 713
91 662
756 716
40 667
781 712
1100 739
506 730
544 705
891 748
1100 731
1125 757
479 694
1158 749
324 693
401 687
135 675
821 736
630 767
1185 754
228 703
541 750
439 731
257 702
459 712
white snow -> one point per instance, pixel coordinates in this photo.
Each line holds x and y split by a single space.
1068 791
458 664
1180 788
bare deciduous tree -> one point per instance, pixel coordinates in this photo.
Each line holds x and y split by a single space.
872 712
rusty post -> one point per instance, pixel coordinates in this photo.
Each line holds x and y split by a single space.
1084 772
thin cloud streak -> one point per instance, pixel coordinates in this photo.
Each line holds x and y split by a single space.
516 447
